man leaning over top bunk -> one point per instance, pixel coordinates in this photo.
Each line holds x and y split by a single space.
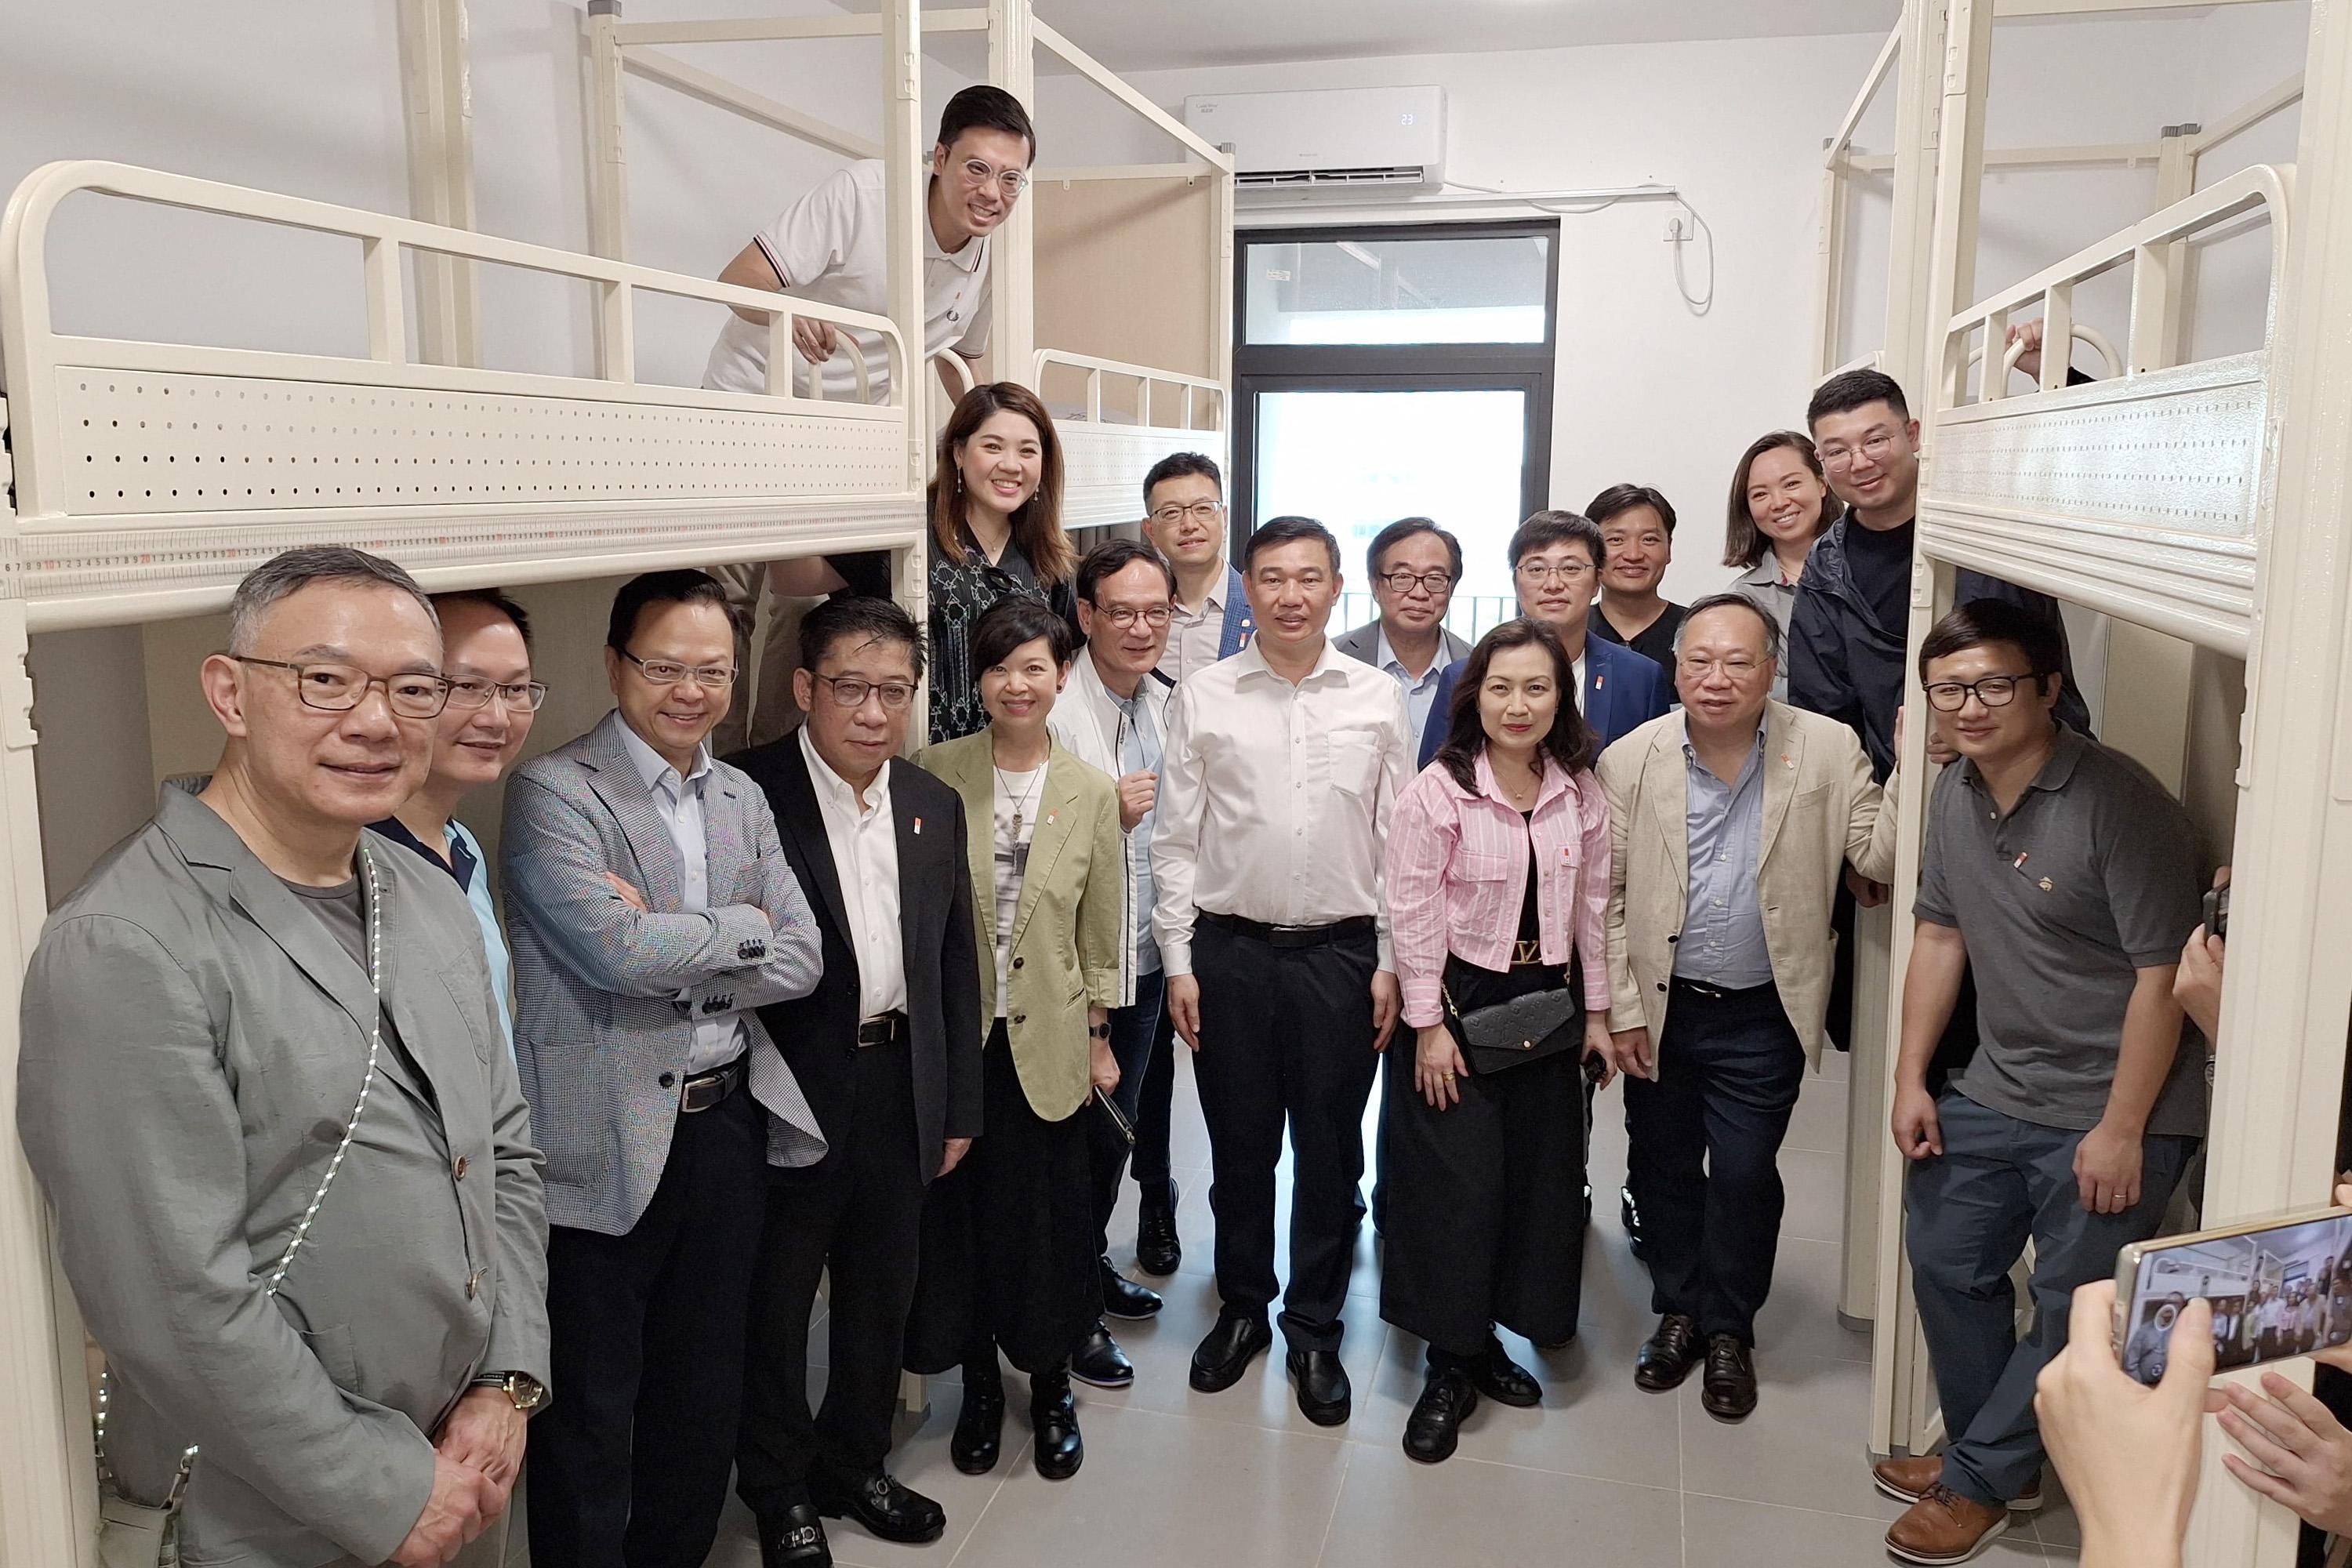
651 910
831 245
210 1032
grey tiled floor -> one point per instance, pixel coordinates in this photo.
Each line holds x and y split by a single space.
1600 1473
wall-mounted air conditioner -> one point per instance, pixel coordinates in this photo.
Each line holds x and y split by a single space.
1334 138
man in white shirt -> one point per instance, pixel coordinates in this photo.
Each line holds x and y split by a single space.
1281 767
1184 518
888 1046
1415 564
830 245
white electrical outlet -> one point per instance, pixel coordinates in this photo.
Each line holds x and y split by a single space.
1676 233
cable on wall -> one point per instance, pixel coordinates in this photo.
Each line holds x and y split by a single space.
1576 203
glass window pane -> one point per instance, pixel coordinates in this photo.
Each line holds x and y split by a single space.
1358 462
1485 290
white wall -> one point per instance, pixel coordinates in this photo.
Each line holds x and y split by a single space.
1649 391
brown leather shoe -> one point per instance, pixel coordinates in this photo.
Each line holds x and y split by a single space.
1944 1527
1907 1480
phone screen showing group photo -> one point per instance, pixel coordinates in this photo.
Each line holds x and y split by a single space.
2274 1294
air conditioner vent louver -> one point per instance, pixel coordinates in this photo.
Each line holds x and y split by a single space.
1329 138
1395 175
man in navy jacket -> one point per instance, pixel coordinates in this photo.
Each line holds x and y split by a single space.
1556 559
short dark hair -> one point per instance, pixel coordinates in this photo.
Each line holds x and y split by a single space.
1543 530
496 598
1569 742
1019 618
641 593
2035 635
987 109
1730 599
1113 556
1851 389
1176 465
1405 528
1280 531
1619 500
859 615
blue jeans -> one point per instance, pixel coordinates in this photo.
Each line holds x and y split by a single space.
1970 1211
1133 1031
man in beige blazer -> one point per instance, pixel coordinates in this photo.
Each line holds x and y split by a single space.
1732 820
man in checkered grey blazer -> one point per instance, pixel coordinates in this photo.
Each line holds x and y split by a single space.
651 912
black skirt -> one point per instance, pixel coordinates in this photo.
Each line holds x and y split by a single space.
1008 1248
1485 1200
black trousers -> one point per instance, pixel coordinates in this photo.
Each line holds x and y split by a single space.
1285 1038
1706 1152
1485 1204
859 1215
1134 1045
628 1465
1154 1107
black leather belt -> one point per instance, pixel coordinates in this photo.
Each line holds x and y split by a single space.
1290 936
888 1029
1700 988
705 1090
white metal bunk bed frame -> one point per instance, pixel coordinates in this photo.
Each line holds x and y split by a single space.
1105 461
2233 544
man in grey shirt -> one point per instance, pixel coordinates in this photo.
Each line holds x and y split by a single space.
265 1085
2066 877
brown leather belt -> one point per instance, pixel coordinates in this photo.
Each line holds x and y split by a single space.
705 1090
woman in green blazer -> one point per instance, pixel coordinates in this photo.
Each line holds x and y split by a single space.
1008 1248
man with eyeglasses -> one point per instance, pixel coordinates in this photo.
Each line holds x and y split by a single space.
1113 716
486 654
1415 564
887 1045
263 1084
2067 877
1733 819
831 245
652 912
1184 518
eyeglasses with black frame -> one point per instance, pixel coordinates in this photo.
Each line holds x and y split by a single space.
851 691
1994 690
521 696
1124 616
1430 583
670 672
339 688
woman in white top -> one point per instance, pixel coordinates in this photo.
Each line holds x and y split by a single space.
1780 504
1008 1248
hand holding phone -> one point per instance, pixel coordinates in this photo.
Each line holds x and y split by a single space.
2278 1289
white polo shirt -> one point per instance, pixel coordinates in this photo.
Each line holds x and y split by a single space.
830 245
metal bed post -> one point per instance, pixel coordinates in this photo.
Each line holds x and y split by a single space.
1012 263
440 121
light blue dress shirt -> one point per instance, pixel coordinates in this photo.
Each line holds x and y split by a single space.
718 1039
1722 941
1139 752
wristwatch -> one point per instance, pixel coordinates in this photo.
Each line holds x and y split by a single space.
1099 1031
527 1392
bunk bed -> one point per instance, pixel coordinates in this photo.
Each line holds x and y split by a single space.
2204 499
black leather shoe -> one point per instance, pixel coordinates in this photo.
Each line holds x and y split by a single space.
1100 1361
888 1510
794 1539
1157 1251
1123 1298
1053 1412
1435 1424
1505 1381
979 1440
1667 1357
1323 1394
1238 1339
1727 1388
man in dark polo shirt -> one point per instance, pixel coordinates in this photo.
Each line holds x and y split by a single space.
2067 878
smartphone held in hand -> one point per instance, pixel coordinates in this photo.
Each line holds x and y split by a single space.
2279 1288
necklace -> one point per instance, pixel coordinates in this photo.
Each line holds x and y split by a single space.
1514 790
1021 805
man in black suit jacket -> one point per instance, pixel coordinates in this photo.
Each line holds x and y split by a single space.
887 1049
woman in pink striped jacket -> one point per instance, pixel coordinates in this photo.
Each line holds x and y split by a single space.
1498 877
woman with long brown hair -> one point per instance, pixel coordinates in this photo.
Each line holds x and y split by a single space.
995 506
1780 504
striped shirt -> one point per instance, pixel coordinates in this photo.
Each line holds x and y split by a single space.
1457 874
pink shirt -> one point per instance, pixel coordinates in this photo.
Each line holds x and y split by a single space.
1457 874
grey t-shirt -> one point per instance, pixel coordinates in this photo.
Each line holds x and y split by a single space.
2090 877
342 910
